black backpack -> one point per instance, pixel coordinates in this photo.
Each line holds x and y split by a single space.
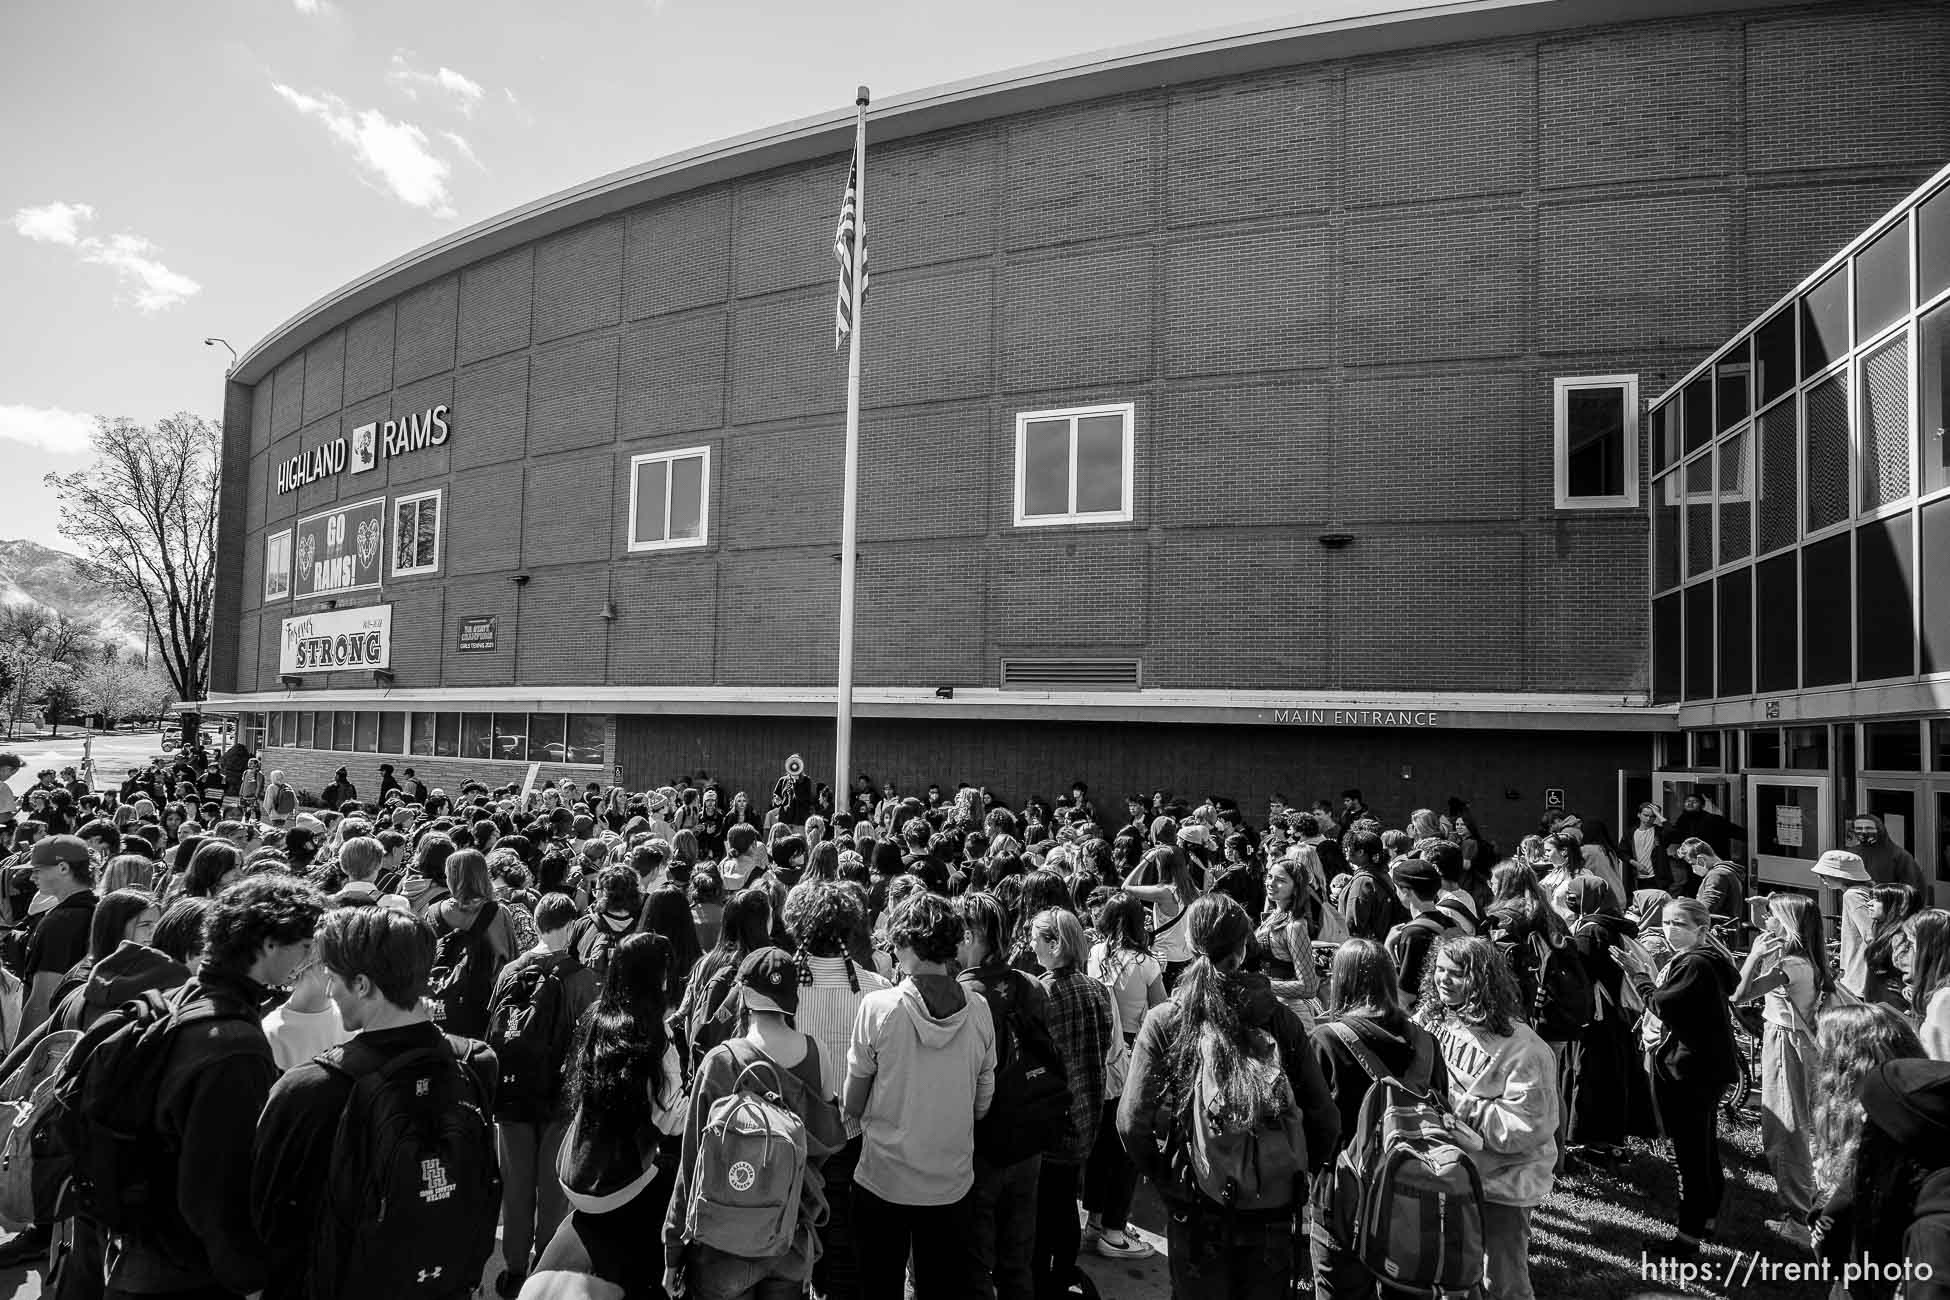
461 984
101 1125
1031 1109
414 1190
530 1032
595 944
1564 1001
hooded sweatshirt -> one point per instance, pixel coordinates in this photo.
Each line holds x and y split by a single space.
929 1049
1889 863
1691 1001
122 976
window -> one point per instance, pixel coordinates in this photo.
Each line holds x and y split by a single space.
301 736
476 735
511 735
342 731
545 738
446 742
365 732
392 733
670 499
277 565
416 534
1074 467
422 733
585 738
1597 442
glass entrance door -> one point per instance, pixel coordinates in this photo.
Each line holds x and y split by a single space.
1912 813
1790 820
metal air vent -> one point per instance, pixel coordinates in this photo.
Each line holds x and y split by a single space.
1072 674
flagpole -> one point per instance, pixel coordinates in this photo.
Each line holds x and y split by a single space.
850 510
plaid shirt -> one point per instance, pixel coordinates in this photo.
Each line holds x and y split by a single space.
1080 1026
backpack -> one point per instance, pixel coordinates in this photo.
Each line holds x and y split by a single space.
1564 1001
1418 1197
530 1035
284 800
461 984
413 1194
1245 1162
713 1016
1030 1112
101 1115
750 1171
598 941
26 1186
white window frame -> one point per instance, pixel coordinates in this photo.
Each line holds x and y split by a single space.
669 543
270 595
1128 410
1561 390
439 525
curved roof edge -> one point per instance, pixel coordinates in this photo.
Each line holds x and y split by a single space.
1196 57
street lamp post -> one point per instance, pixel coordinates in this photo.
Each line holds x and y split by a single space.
211 343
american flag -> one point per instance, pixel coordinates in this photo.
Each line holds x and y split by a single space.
843 250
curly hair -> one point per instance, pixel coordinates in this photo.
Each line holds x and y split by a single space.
1851 1040
926 923
1490 1000
271 908
822 918
619 891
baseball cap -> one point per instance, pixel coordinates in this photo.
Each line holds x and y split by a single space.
1840 864
770 979
59 850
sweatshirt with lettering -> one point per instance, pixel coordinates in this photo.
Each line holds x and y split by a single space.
1505 1088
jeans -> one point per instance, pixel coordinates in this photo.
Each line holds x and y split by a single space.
1690 1115
1506 1252
1002 1226
1220 1256
836 1273
1339 1273
1057 1233
1562 1052
938 1238
532 1203
1109 1178
1786 1116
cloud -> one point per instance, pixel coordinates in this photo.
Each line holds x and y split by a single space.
462 148
465 92
395 154
311 8
66 433
155 286
54 223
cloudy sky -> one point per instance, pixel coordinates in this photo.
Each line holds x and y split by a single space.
177 169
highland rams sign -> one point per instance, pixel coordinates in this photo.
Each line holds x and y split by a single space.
337 640
390 438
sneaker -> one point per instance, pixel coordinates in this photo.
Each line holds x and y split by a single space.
29 1246
1123 1246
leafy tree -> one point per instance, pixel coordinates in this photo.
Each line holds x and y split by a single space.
37 652
119 687
144 517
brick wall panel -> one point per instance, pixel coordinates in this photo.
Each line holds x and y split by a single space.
562 520
1290 116
255 503
899 639
251 586
497 299
322 492
369 354
1275 632
572 394
419 645
263 634
1399 574
483 520
780 369
1620 104
1470 440
1080 173
1636 273
665 630
924 475
930 199
930 337
424 330
278 506
677 254
673 374
489 419
1440 124
1847 86
779 602
249 677
324 376
564 634
579 280
1792 232
1028 606
782 226
488 595
1434 286
261 403
1260 301
1586 560
1077 319
1283 431
788 487
288 397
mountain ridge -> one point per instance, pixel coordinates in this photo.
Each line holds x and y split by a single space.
33 574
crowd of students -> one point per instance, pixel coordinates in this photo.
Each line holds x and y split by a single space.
930 1040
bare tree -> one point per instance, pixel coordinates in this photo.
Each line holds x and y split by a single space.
144 517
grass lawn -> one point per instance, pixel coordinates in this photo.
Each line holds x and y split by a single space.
1587 1238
